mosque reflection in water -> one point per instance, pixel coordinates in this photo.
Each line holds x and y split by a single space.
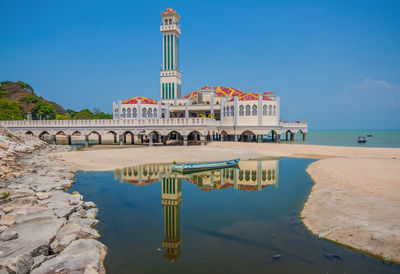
252 175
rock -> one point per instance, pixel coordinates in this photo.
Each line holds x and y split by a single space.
37 261
64 211
91 213
70 232
19 264
7 222
90 204
8 235
43 195
2 228
84 221
81 256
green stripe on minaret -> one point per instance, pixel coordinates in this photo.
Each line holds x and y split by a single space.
165 52
172 51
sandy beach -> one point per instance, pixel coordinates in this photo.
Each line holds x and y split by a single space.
355 200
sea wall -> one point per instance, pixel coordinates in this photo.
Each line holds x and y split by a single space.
43 228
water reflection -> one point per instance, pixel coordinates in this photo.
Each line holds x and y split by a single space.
251 175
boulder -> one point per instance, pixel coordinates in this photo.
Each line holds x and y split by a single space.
8 235
18 264
91 213
81 256
89 204
43 195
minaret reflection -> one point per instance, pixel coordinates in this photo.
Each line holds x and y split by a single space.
171 200
252 175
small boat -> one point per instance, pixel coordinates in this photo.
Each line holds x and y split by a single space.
361 140
193 167
370 135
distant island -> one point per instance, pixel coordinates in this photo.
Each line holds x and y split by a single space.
18 101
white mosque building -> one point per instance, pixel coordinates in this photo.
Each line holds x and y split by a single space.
240 116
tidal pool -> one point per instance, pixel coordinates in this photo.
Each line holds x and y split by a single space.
244 220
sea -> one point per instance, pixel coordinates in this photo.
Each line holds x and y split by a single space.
380 138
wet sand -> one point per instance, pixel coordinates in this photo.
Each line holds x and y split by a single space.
355 200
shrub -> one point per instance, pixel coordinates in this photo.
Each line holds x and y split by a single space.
5 194
9 135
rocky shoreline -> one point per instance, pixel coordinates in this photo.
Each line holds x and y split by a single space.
43 229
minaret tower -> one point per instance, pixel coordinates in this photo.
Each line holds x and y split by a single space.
170 85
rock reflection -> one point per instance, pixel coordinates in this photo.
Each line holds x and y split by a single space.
252 175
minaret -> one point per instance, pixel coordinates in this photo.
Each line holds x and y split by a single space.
170 75
171 199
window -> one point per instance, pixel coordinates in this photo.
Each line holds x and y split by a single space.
123 113
150 113
247 110
274 111
226 111
265 110
232 111
134 113
170 21
166 21
128 113
241 110
144 113
270 110
254 110
155 113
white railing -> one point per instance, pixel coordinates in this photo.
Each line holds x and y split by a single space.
113 123
293 124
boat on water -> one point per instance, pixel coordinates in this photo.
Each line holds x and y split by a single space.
361 140
370 135
194 167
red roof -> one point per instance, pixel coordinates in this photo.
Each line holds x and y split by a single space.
219 91
143 100
169 9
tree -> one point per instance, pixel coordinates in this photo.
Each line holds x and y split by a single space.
102 115
45 111
62 117
96 110
10 110
84 114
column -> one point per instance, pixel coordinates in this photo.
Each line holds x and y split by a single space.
221 114
260 109
186 110
260 138
139 106
69 140
54 139
235 110
119 109
151 140
167 114
121 139
278 138
185 140
212 103
86 140
159 110
164 138
235 136
202 140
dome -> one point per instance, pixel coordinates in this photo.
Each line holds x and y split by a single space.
141 99
169 10
219 91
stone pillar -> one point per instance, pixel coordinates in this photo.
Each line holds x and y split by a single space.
86 140
235 136
99 140
278 138
185 140
121 139
69 140
260 138
202 140
186 110
54 139
151 140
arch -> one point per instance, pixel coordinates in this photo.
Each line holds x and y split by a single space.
270 110
76 133
155 113
144 112
154 132
61 133
254 110
248 132
123 113
43 134
150 113
247 110
166 21
95 132
128 113
232 111
111 131
265 110
29 133
274 112
241 110
170 21
194 135
134 113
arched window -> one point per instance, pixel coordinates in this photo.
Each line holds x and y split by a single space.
155 113
123 113
170 21
144 112
150 113
227 111
232 111
134 113
274 111
254 110
128 113
265 110
247 110
241 110
270 110
166 21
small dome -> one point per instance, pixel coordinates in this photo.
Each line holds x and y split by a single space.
169 10
141 99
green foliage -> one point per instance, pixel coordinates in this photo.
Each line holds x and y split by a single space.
5 194
84 114
31 99
25 86
62 117
44 111
9 135
102 115
10 110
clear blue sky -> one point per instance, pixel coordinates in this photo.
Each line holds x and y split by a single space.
335 64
